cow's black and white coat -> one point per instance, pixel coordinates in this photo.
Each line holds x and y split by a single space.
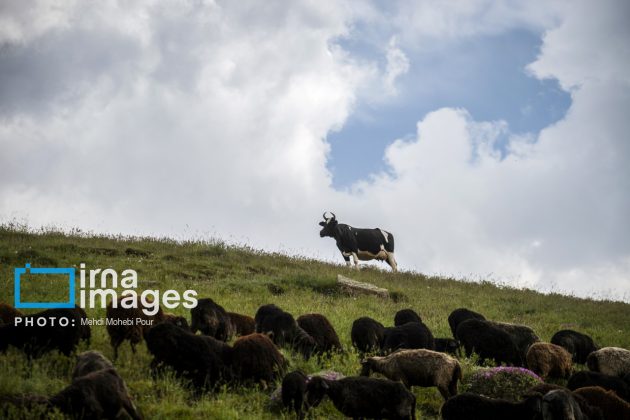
360 244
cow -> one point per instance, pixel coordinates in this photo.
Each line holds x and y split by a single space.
360 244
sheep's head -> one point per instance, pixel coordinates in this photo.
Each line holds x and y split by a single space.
366 367
316 390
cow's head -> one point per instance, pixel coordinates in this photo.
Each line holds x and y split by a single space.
328 225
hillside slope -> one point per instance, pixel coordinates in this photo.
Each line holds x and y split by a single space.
241 280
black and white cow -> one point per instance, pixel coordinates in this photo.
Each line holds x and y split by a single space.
360 244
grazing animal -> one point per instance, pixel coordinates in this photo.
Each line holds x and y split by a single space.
367 334
522 335
613 383
608 402
613 361
177 320
285 331
549 360
122 325
360 244
412 335
560 404
447 345
578 344
90 361
255 358
294 391
418 368
202 360
45 335
263 312
322 331
488 341
96 395
469 406
360 397
242 324
460 315
211 319
406 315
8 313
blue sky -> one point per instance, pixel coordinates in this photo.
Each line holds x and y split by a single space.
486 75
489 136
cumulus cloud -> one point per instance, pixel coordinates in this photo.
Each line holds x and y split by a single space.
210 118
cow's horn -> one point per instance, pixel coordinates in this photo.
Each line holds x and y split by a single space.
324 215
333 215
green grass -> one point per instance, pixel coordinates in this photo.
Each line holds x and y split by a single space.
241 280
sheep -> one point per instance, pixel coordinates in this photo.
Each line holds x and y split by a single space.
418 367
322 331
122 325
360 397
413 335
200 359
578 344
255 358
285 331
469 406
549 360
460 315
90 361
592 413
560 404
293 391
263 312
613 361
8 314
522 335
367 334
211 319
406 315
100 394
176 320
488 341
613 383
36 340
446 345
242 324
608 402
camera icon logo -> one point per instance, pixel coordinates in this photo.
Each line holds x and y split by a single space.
19 271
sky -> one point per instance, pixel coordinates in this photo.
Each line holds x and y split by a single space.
490 137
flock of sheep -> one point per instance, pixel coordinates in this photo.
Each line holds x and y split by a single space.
409 355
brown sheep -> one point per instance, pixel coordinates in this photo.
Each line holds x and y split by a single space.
549 360
419 367
121 324
322 331
255 358
8 313
242 324
90 361
611 405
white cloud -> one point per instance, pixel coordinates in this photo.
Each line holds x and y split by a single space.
149 118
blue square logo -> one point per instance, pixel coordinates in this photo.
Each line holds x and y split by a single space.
19 271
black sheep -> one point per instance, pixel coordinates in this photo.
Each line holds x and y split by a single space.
200 359
322 331
406 315
36 340
293 391
367 334
560 404
447 345
211 319
469 406
176 320
489 342
359 397
264 311
97 395
522 335
460 315
578 344
255 358
242 324
412 335
586 378
285 332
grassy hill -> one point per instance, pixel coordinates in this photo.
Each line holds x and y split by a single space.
241 280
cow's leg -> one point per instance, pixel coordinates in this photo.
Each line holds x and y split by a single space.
346 257
355 258
392 261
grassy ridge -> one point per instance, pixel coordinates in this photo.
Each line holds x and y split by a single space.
241 280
